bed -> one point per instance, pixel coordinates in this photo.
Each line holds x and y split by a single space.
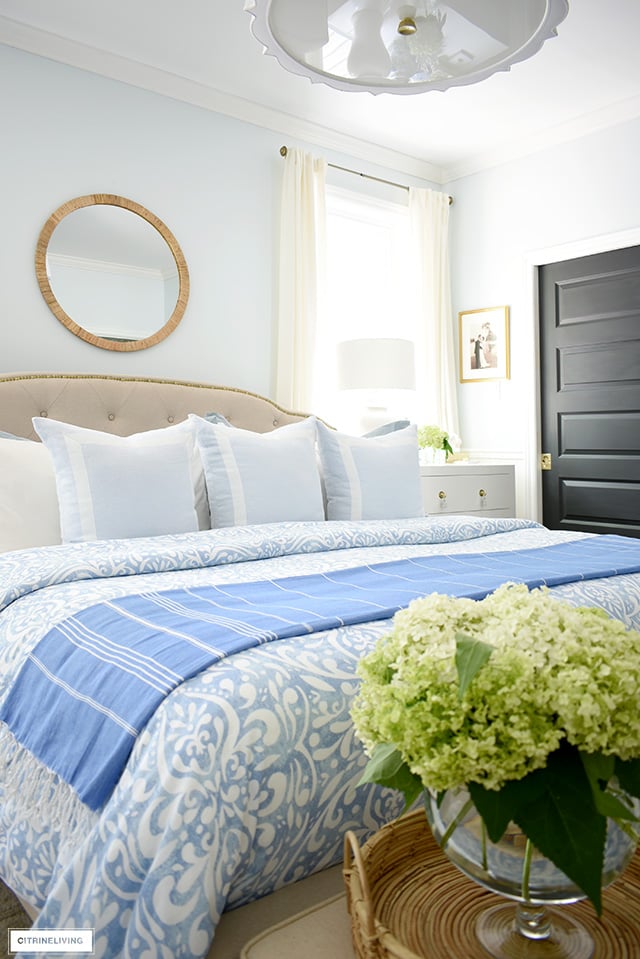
241 778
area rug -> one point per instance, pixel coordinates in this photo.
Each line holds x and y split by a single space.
239 927
315 933
324 930
12 916
321 930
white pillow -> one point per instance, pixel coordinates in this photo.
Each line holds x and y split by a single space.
371 478
28 500
260 477
146 484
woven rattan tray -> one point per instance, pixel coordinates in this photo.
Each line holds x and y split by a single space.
406 900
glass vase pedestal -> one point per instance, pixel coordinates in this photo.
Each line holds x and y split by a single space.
526 927
524 931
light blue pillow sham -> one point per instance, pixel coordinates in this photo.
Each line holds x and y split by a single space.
216 418
257 478
370 478
109 487
388 428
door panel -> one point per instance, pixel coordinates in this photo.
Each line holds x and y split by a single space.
598 365
590 392
605 434
586 501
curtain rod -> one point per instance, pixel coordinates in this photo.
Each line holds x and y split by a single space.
365 176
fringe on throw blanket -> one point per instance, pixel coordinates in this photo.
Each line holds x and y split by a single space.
28 786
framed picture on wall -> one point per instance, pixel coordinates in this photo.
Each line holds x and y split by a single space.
484 344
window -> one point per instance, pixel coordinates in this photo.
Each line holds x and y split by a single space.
369 289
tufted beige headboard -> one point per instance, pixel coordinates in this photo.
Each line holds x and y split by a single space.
127 404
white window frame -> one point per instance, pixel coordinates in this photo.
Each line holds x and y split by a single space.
372 309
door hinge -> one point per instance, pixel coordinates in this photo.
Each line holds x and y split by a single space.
545 461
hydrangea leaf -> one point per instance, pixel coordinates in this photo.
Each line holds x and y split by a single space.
500 807
471 655
628 773
598 767
565 826
555 809
599 770
387 768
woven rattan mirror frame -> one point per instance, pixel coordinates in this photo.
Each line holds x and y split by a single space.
95 199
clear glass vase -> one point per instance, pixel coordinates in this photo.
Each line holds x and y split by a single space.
515 869
429 456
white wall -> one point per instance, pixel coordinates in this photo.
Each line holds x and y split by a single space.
213 180
560 202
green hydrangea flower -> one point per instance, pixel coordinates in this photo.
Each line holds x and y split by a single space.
529 703
435 437
556 672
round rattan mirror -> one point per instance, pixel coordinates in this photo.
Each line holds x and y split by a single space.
112 272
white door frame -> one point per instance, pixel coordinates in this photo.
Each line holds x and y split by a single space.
532 491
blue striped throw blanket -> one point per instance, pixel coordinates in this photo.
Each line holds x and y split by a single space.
96 678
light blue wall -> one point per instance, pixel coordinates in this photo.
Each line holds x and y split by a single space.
213 180
210 179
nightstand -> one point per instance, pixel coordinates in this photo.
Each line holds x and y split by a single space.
481 489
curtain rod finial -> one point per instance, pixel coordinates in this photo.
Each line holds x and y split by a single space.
283 151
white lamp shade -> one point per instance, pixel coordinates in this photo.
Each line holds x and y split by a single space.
376 364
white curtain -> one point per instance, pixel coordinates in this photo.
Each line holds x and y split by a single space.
436 372
302 258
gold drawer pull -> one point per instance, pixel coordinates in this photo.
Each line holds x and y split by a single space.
482 493
442 494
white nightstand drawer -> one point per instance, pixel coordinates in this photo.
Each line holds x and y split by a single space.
480 489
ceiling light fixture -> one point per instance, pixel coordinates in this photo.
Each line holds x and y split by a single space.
396 47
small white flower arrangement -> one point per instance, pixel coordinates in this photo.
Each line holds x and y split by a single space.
526 701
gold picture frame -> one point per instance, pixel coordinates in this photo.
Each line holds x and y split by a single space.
484 344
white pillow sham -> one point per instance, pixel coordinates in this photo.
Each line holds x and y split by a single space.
260 477
370 477
28 499
109 486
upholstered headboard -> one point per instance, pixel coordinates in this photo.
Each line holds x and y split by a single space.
127 404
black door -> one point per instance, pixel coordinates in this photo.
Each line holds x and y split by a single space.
590 392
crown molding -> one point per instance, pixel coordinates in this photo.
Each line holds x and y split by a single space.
602 119
94 60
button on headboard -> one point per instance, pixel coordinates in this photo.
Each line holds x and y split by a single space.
127 404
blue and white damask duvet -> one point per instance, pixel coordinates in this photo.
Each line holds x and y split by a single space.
244 779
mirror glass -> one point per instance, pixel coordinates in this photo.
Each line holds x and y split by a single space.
112 273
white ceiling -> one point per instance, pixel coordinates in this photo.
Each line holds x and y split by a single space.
202 51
